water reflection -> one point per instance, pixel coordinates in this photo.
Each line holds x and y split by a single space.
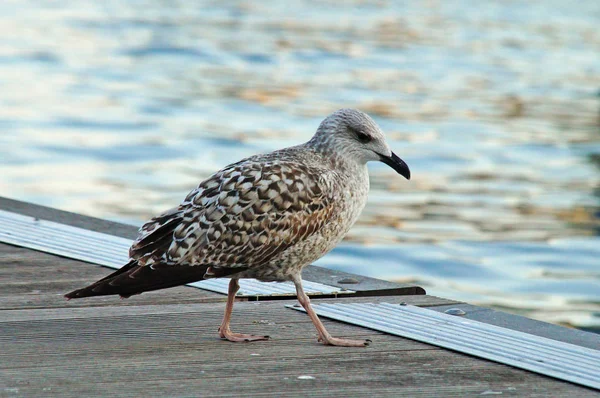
118 109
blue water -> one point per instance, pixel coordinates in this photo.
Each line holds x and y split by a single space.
117 109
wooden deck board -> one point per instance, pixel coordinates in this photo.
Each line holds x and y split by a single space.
174 349
165 343
32 279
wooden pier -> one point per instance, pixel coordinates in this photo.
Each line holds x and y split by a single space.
165 343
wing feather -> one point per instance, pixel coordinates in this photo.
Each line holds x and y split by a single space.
242 217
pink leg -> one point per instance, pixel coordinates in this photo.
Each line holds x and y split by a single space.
324 336
224 330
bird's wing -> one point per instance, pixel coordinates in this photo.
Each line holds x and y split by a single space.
241 217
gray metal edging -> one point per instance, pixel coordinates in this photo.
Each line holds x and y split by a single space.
522 350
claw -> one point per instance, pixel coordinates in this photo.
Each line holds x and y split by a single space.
345 342
241 337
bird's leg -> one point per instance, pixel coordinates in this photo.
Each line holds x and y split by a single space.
324 336
224 330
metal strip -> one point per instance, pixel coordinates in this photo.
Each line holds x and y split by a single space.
538 354
112 251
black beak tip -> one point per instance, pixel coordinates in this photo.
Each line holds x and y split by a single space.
397 164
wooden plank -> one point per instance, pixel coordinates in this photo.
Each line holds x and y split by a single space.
438 370
39 280
173 350
363 285
274 385
56 300
165 343
199 309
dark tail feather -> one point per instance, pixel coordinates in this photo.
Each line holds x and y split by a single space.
134 279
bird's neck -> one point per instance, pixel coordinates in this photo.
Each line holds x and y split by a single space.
342 157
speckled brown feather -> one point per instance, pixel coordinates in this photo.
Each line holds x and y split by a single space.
243 216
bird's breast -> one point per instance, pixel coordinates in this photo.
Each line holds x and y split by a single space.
350 197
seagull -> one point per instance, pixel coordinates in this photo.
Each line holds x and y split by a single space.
264 217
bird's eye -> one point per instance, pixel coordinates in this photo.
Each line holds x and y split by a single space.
362 137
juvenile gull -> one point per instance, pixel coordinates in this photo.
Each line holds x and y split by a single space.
264 217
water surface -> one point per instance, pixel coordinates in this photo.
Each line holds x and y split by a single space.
117 109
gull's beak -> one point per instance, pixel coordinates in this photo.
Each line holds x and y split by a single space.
397 164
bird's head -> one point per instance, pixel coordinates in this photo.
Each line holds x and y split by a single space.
355 134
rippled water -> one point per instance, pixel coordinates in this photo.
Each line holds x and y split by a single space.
117 109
